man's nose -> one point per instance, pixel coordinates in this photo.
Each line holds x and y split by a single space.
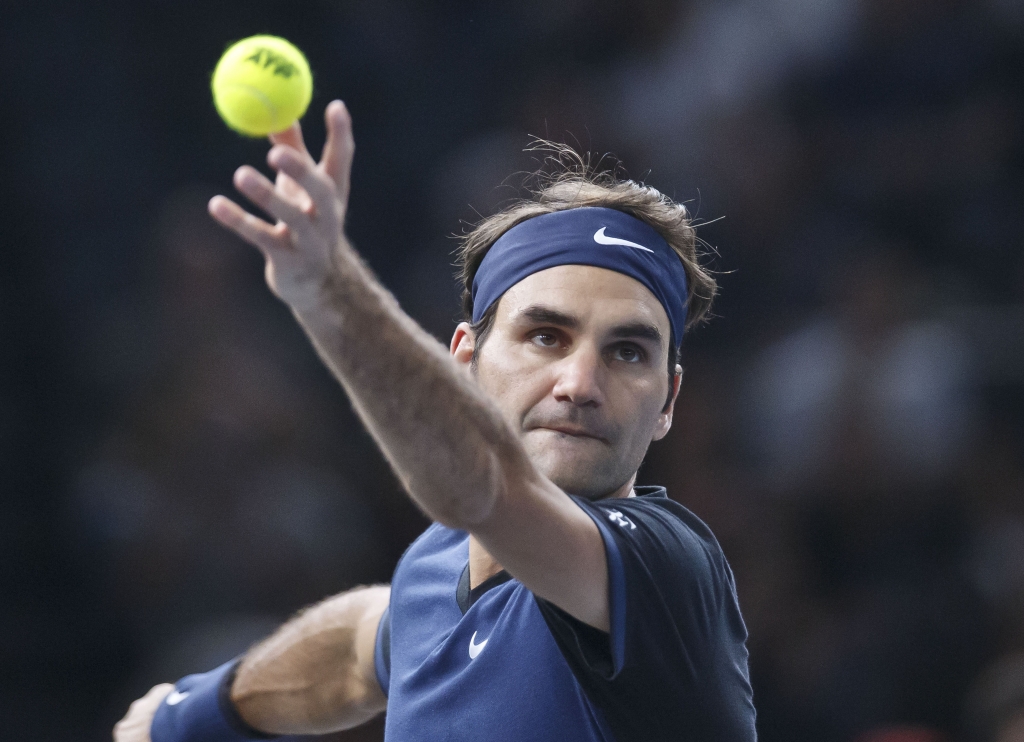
579 378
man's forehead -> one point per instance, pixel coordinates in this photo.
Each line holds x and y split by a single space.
586 293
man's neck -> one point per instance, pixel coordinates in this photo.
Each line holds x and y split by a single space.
482 566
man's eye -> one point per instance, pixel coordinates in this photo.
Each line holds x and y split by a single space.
544 339
629 354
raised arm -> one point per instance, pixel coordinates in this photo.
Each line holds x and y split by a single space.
449 444
316 674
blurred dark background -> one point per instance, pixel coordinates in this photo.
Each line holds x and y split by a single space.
179 473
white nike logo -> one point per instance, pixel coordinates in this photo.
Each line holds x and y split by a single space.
602 239
174 697
475 649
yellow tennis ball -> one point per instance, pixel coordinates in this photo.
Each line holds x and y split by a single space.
261 85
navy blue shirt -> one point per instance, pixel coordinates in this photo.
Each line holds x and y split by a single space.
499 664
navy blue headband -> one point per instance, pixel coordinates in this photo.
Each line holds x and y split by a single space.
596 236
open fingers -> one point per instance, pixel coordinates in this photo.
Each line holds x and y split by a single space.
339 148
308 176
294 192
255 186
292 138
266 237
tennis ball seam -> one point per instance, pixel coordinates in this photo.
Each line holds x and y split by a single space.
259 95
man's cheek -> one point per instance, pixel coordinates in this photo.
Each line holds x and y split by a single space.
512 408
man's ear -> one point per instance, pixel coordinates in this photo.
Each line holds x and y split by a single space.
463 344
665 418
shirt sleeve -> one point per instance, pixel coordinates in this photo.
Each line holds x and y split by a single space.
382 651
674 661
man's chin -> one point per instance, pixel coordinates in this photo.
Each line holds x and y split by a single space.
583 476
579 465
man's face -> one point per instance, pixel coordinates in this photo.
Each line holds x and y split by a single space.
576 360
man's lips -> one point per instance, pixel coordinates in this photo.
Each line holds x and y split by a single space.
571 430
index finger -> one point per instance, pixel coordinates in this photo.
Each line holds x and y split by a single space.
292 136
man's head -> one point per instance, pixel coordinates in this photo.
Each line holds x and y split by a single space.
574 354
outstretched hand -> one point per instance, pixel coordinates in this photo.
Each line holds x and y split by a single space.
308 199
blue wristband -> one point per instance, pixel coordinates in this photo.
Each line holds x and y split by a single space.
199 710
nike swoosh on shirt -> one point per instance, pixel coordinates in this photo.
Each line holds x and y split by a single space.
475 649
174 697
602 239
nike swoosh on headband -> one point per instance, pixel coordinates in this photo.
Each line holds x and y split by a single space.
602 239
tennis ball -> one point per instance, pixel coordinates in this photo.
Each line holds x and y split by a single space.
261 85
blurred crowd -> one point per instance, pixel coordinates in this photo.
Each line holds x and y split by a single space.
183 473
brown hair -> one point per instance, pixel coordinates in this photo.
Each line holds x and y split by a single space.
572 182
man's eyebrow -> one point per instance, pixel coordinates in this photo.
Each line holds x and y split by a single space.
639 330
541 315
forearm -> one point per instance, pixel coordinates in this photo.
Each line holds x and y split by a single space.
447 442
316 673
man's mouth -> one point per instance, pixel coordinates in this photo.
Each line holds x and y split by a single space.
574 431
